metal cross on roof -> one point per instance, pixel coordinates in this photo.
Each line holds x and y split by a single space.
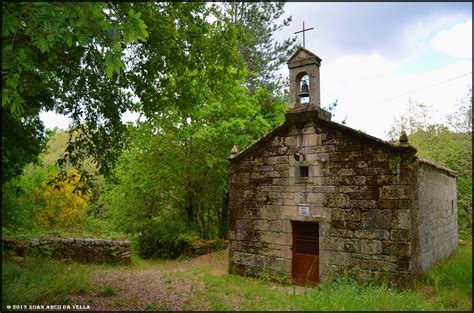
302 31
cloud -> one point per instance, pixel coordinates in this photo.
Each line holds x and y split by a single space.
456 41
371 95
395 30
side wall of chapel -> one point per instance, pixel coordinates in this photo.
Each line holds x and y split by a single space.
436 214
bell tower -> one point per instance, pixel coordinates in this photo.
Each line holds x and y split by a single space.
304 80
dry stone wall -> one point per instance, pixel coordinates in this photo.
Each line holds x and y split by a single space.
77 249
436 214
359 191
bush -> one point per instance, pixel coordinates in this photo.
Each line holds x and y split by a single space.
166 238
18 201
64 199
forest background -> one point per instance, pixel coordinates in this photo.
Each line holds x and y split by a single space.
202 77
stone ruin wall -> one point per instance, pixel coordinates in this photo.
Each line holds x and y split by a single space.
359 192
77 249
437 214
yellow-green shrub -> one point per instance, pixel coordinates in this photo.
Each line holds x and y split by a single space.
64 199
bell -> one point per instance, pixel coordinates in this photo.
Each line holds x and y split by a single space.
304 90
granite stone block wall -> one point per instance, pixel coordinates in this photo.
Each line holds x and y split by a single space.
77 249
359 192
436 214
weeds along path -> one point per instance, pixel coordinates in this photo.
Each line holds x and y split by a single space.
151 284
202 283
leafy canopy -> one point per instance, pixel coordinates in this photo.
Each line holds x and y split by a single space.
176 164
66 57
89 60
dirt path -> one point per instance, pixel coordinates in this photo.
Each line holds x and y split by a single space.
150 287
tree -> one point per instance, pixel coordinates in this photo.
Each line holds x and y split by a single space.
176 164
88 60
417 119
448 146
66 57
189 80
263 55
461 120
22 141
42 196
19 207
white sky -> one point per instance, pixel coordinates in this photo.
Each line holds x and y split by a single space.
376 56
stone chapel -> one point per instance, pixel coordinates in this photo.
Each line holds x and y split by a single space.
314 198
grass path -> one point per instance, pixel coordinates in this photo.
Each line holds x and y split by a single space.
203 283
149 285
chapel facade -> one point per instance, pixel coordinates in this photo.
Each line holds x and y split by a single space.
314 199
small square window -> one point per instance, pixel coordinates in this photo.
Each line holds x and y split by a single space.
304 171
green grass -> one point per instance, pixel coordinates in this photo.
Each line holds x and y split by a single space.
40 280
232 292
450 282
350 295
447 286
107 291
157 307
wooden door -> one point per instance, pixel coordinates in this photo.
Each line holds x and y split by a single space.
305 267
